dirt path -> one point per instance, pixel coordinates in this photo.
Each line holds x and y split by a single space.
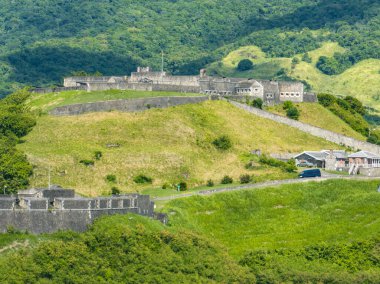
261 185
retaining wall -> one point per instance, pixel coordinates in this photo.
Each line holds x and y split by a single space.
313 130
131 105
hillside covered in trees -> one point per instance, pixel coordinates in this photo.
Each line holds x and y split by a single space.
42 41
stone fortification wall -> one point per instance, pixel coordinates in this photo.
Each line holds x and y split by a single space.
68 213
176 88
313 130
131 105
57 89
73 81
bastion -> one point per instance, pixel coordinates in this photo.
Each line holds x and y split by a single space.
47 210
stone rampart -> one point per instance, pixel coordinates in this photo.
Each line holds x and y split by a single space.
57 89
131 105
313 130
37 215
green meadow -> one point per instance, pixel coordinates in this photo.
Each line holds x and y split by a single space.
284 217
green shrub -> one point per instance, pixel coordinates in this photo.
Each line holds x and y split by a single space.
287 105
165 186
293 113
289 166
141 179
306 57
257 103
250 165
182 186
98 155
115 190
111 178
245 179
245 65
222 143
326 99
87 163
226 180
210 183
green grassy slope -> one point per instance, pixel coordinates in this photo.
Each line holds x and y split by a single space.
49 101
361 80
289 216
168 145
124 249
317 115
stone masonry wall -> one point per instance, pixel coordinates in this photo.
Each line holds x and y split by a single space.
313 130
131 105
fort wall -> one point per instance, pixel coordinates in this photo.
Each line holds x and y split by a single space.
36 215
313 130
131 105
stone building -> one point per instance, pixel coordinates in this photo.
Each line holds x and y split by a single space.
271 92
328 159
48 210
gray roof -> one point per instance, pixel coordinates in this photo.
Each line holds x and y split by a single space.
321 155
339 154
364 154
269 86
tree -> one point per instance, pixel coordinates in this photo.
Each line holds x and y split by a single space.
245 65
293 113
257 103
306 58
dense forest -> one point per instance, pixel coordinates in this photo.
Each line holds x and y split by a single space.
42 41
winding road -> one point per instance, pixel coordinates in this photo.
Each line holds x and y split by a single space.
262 185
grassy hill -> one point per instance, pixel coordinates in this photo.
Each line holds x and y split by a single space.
317 115
49 101
361 80
123 249
168 145
306 233
289 216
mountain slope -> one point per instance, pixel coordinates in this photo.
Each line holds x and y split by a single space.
169 145
42 41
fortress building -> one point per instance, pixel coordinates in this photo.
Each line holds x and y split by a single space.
271 92
48 210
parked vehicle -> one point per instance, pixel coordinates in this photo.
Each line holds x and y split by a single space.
305 164
310 173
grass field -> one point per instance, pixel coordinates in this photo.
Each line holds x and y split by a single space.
289 216
168 145
317 115
361 80
46 102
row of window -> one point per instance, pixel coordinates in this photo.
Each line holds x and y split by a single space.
290 94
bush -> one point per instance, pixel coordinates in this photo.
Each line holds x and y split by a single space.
115 190
111 178
245 179
293 113
182 186
250 165
98 155
289 166
326 99
165 186
226 180
142 179
287 105
222 143
87 163
257 103
245 65
210 183
306 57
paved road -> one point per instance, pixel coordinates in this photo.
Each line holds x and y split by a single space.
261 185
